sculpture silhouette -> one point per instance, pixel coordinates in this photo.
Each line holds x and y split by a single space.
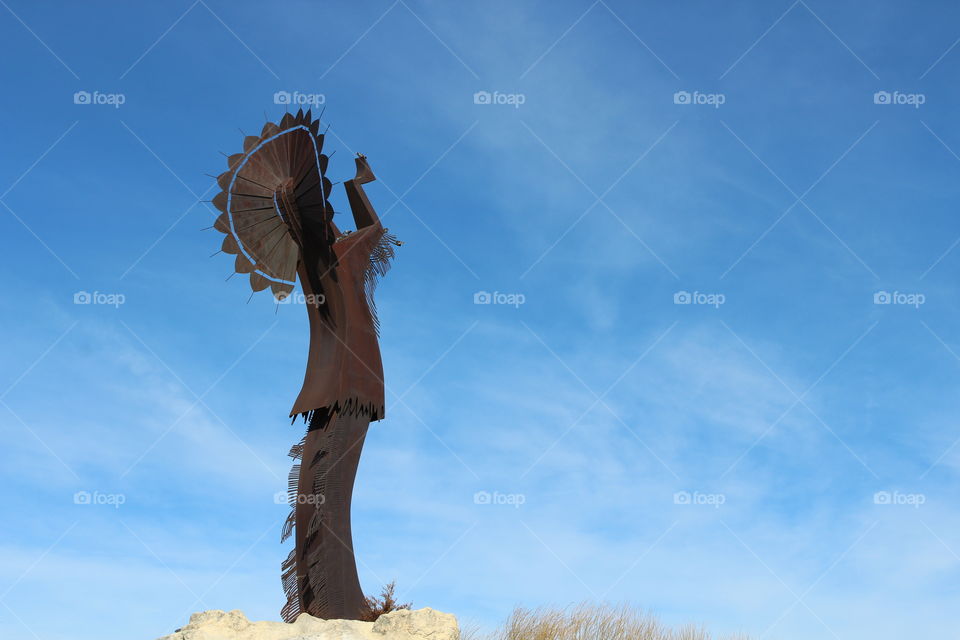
279 222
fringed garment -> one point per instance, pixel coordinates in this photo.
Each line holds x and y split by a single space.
342 393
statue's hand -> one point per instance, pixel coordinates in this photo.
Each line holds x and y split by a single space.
364 173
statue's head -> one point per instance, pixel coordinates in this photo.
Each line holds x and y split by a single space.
276 216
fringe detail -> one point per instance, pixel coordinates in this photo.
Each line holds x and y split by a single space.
296 451
288 578
288 569
350 406
381 255
311 595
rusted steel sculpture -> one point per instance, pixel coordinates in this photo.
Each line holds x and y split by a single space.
279 222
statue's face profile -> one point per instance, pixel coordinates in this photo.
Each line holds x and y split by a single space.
307 224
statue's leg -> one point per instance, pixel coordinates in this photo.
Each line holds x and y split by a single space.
327 585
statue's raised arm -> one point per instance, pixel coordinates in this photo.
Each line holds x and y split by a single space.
363 213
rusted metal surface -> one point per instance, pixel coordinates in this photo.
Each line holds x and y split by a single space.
278 221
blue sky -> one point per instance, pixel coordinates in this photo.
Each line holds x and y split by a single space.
775 457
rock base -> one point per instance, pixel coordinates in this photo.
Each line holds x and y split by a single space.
421 624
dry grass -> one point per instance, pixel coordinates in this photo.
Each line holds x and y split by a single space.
384 603
590 622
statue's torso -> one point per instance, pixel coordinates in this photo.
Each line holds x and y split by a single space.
344 368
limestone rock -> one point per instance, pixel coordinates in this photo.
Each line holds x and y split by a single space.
421 624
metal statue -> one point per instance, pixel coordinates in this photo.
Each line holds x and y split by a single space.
279 223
